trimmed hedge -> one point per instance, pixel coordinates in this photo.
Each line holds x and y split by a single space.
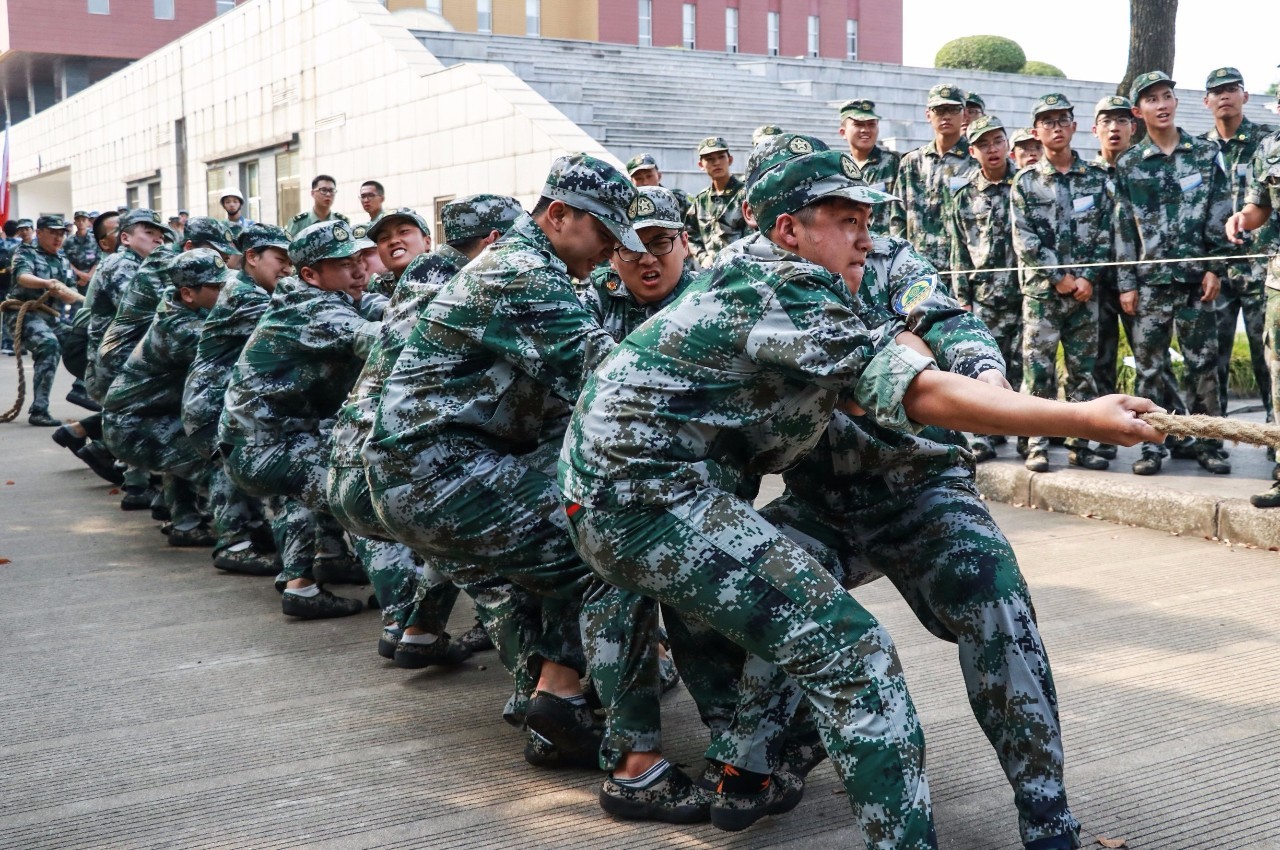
1041 69
983 53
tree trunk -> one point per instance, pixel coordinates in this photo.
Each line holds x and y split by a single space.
1151 28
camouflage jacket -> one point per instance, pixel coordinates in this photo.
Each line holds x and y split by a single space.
226 329
480 368
738 379
980 230
235 228
881 172
925 180
1239 153
1060 219
137 306
82 251
101 299
303 220
30 259
609 300
715 219
418 284
151 379
298 365
1264 191
1170 207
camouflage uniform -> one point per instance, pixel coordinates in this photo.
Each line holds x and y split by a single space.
1169 207
925 181
1243 289
714 219
1059 219
881 168
1264 191
81 251
1110 316
39 329
303 220
739 379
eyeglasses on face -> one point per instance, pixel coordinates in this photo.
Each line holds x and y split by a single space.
1049 123
325 190
659 247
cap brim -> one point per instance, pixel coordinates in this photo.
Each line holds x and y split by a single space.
861 116
861 194
657 222
706 151
640 168
225 247
258 246
623 233
941 102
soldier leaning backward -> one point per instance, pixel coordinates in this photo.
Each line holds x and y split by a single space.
740 378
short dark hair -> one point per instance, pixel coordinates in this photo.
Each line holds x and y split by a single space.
10 228
106 223
320 178
544 203
376 185
466 246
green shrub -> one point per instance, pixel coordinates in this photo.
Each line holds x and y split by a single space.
983 53
1041 69
1240 380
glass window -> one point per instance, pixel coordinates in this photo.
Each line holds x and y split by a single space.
131 197
163 10
533 17
215 177
813 35
99 7
288 198
851 40
436 6
773 33
690 39
484 15
731 30
154 200
252 195
222 6
646 24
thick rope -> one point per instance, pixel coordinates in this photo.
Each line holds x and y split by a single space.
22 307
1214 427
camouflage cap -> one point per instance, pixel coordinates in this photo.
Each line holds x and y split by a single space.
198 267
255 237
711 144
51 222
945 94
479 215
174 218
1113 103
655 206
859 110
1223 77
807 176
1022 135
982 125
80 214
400 214
25 222
327 240
640 162
202 230
1146 81
142 215
361 234
764 130
972 98
774 150
596 187
1051 102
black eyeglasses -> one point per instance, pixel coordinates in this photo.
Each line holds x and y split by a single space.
658 247
1063 122
326 190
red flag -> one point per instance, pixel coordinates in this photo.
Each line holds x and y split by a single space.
4 178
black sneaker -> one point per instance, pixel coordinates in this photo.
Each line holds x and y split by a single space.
1269 499
476 638
42 419
1182 448
1106 450
160 512
201 536
734 812
388 641
68 440
441 652
1024 447
342 569
1148 464
981 450
571 728
1213 460
1087 459
248 562
540 752
323 605
136 499
672 798
103 463
81 399
1037 461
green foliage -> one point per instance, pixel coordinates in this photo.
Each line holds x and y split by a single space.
1273 89
1240 381
983 53
1041 69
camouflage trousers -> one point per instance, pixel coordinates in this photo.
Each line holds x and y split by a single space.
39 338
1048 320
1242 292
1162 310
713 558
1271 338
154 443
235 513
1004 321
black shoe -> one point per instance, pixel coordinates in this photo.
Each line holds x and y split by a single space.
249 562
734 812
981 450
323 605
1182 448
160 512
1024 447
261 538
42 419
136 499
103 463
1148 464
342 569
1105 450
673 798
540 752
1086 459
388 641
570 728
476 638
1212 460
1269 499
1275 472
65 438
201 536
1038 460
82 400
441 652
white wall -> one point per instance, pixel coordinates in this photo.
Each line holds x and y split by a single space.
48 193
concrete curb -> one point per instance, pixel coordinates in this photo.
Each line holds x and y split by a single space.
1176 511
